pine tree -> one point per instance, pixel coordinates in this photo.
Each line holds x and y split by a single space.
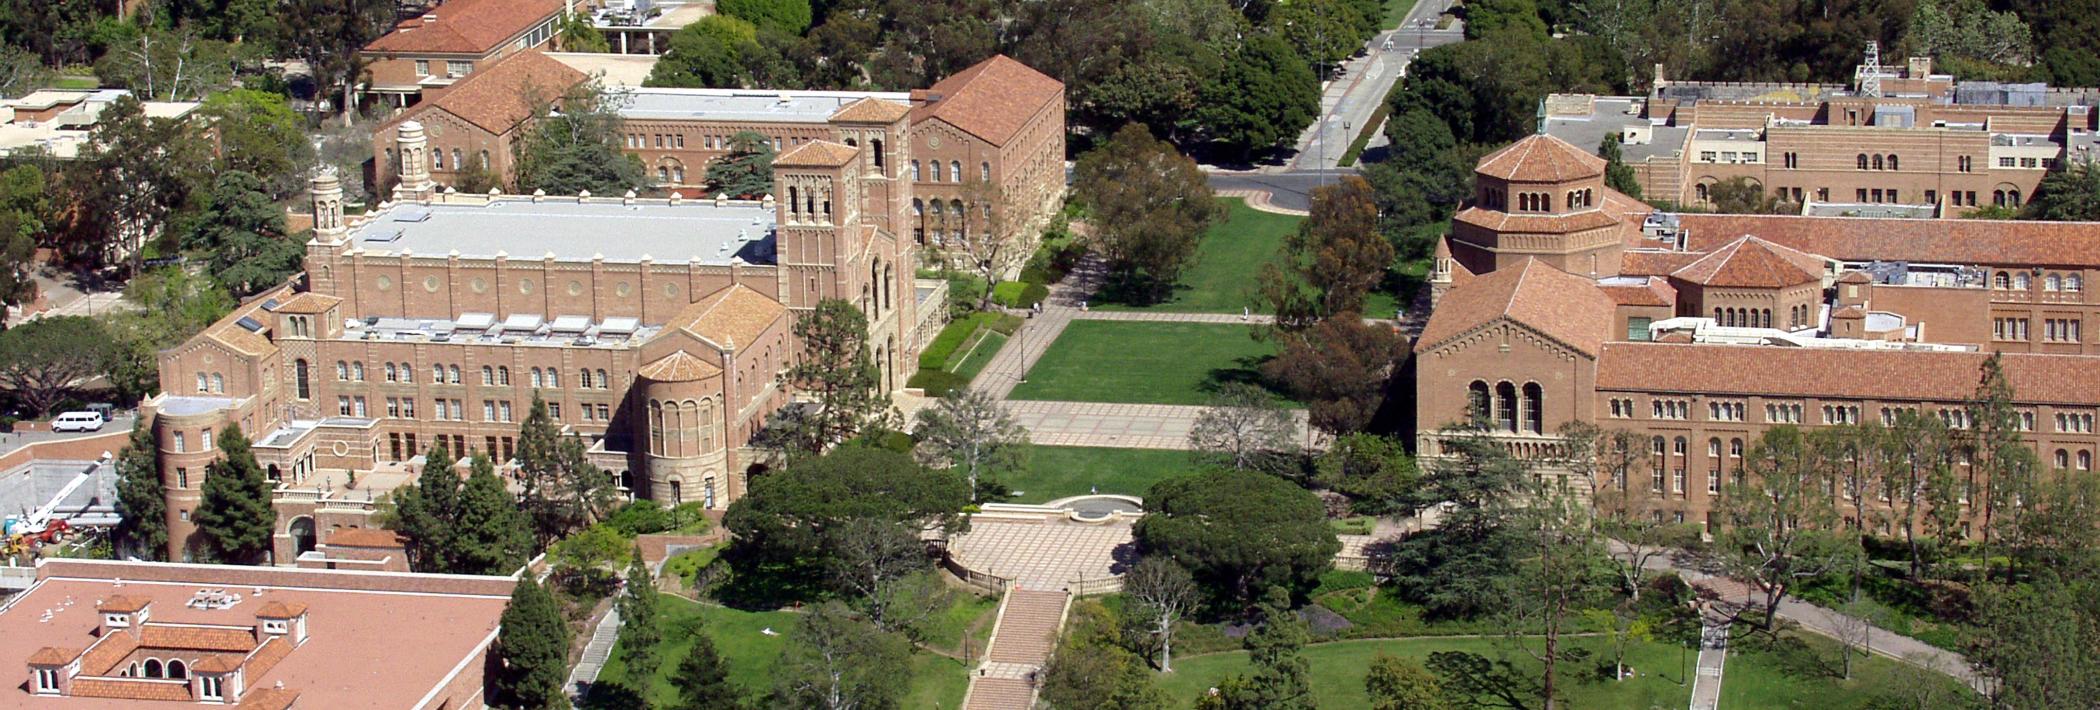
142 508
702 678
531 650
1281 679
638 632
563 491
490 535
235 516
1617 174
427 513
837 371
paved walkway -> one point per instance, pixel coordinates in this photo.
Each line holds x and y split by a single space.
1022 640
1126 426
1713 660
1221 318
1261 201
1040 555
595 654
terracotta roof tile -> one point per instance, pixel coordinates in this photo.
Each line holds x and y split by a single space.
107 652
1560 305
1654 262
991 100
268 699
1943 241
267 656
1540 158
1900 375
730 317
1653 292
1750 262
817 154
196 638
308 303
466 26
1499 221
502 95
679 366
280 609
365 537
872 110
131 689
218 663
120 604
53 656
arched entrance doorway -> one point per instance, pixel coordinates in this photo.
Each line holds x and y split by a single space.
302 531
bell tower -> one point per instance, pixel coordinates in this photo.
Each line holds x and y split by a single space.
414 147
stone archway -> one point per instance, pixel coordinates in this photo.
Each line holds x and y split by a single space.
302 531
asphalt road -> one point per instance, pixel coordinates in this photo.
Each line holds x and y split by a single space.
1288 190
1350 99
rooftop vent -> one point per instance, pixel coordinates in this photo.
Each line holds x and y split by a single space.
383 236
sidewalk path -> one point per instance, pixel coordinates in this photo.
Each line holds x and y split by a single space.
1261 201
1713 660
1022 639
595 654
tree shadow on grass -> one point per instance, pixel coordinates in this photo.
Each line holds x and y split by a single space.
1245 370
754 585
1790 654
1135 291
610 696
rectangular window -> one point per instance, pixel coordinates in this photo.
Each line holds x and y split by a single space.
488 410
505 407
422 67
342 405
1637 329
458 68
182 478
2029 163
554 411
604 412
181 444
1863 195
1932 197
1706 156
2005 162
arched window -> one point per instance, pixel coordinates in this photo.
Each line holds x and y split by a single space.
437 374
488 375
1478 401
357 371
2012 198
1877 162
955 168
218 383
918 207
2074 283
203 383
2052 283
534 378
1534 408
663 174
1998 198
153 668
553 377
437 159
1699 190
342 370
984 171
656 425
936 170
915 171
299 380
503 376
452 376
1862 161
484 160
393 374
177 670
584 376
2085 460
2001 281
2063 458
879 156
1506 406
603 381
1892 162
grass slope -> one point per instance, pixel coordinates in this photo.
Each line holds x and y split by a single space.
1060 471
1233 251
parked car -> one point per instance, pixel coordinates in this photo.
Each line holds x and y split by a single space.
78 421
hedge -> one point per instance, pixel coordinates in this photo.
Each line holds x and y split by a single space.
1019 294
938 383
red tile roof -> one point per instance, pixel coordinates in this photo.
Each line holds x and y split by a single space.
107 652
1900 375
1557 304
1944 241
1535 223
120 604
268 699
1653 292
197 638
466 26
991 100
817 154
1540 158
267 656
679 366
53 656
1750 262
364 537
308 303
1654 262
218 663
131 689
733 316
280 609
872 110
502 95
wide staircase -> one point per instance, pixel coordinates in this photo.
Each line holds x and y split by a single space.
1022 639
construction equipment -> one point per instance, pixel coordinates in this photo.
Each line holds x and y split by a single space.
42 527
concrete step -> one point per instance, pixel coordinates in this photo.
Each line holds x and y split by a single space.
1000 694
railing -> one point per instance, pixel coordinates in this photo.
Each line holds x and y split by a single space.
1530 447
1098 585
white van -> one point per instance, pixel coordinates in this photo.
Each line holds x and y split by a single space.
77 421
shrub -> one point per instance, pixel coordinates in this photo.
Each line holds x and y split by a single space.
642 517
938 383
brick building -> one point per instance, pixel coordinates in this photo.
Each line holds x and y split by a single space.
659 329
994 132
454 40
101 634
1917 143
1710 329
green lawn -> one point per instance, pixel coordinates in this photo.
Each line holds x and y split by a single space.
937 681
1804 672
1222 278
1144 362
1059 471
1338 671
987 347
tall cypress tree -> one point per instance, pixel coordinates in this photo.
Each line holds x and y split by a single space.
428 513
235 516
490 535
531 650
638 619
142 508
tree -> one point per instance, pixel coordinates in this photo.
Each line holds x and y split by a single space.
1396 683
1243 429
491 535
235 518
330 35
793 522
972 433
1164 593
134 174
1743 195
260 134
1374 471
1281 678
1148 207
1266 96
1617 174
837 371
142 508
1457 570
706 54
1335 258
1473 680
1341 368
242 231
587 563
702 678
43 359
1093 670
164 64
987 240
1238 531
1855 630
1324 32
1967 30
21 71
1999 457
1559 573
1626 513
1915 453
26 215
576 146
1780 527
746 172
1486 17
786 16
2068 193
427 512
881 563
638 623
834 662
2034 640
530 656
576 33
563 491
